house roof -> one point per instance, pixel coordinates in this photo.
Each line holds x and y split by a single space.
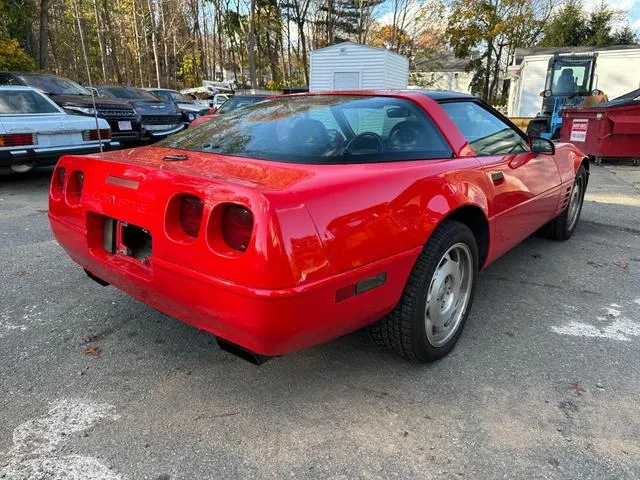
443 62
520 53
358 45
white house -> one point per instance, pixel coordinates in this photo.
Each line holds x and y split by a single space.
352 66
442 72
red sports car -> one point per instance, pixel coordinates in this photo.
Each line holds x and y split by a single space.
310 216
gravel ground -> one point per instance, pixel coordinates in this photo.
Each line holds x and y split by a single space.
544 382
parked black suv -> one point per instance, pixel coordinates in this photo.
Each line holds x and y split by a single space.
122 117
189 109
159 119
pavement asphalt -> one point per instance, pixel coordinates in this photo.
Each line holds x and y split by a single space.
544 382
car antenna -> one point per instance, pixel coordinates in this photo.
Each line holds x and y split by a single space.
86 63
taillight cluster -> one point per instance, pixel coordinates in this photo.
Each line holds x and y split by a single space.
191 209
101 134
228 231
70 187
236 226
17 139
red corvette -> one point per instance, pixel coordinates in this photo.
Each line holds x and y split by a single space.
310 216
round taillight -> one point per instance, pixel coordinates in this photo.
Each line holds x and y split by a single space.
237 227
190 213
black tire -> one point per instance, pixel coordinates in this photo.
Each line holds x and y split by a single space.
404 329
561 228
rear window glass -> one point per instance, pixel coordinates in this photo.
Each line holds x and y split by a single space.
129 93
320 129
53 85
24 102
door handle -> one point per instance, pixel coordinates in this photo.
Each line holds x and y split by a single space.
497 178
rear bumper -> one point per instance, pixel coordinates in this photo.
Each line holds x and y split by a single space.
156 135
49 155
265 321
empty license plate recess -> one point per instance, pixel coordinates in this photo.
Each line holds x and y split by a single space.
122 238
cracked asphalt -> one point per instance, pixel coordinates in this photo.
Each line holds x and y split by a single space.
544 382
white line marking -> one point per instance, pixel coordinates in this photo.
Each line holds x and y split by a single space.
29 315
614 326
618 330
35 444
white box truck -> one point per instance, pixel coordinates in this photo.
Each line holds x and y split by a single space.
613 70
352 66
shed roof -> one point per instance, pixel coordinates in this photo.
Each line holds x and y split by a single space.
337 46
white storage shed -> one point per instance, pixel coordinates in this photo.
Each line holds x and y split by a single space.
352 66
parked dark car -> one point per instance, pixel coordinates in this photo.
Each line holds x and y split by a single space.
234 103
122 117
159 119
189 109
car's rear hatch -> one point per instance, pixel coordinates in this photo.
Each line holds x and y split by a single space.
148 193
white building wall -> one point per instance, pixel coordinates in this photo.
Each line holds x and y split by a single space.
376 68
452 81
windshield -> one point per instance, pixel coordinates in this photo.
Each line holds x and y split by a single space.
235 103
24 102
54 85
320 129
129 93
571 78
171 96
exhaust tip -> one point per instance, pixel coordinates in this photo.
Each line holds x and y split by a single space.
241 352
98 280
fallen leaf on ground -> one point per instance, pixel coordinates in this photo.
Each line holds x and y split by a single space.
93 351
577 389
622 264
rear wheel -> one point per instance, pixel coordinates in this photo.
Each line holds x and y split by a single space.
563 226
428 320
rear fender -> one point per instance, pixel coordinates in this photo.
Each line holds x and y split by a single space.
383 210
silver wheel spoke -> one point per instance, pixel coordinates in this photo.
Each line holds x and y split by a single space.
449 294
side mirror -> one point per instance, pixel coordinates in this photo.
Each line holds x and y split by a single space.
542 145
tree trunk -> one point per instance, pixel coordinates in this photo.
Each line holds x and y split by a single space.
44 34
165 51
303 42
487 73
100 43
251 40
154 42
496 73
113 55
138 53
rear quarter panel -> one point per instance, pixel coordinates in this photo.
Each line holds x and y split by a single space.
365 213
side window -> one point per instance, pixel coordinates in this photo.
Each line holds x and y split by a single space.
7 79
486 133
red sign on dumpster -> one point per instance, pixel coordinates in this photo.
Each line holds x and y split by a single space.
579 130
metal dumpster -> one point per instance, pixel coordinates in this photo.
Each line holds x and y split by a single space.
610 130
